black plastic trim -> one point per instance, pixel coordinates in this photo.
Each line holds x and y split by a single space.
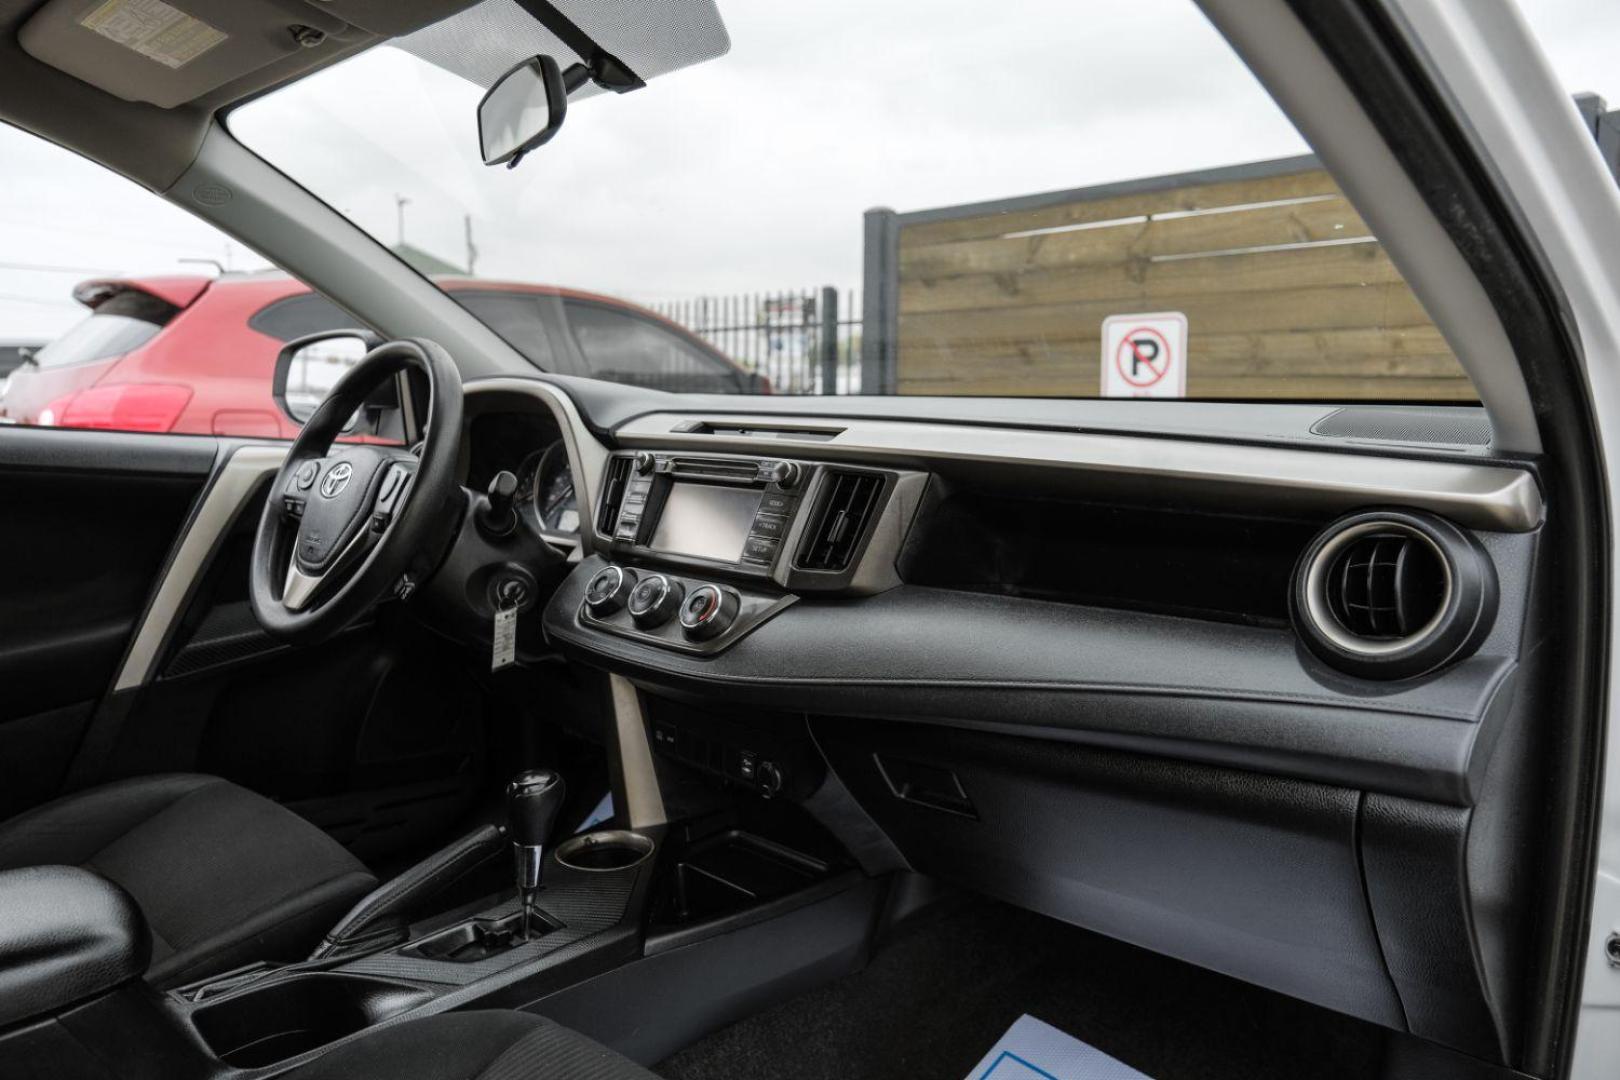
1217 693
70 450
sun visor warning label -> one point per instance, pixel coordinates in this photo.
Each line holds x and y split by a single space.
154 29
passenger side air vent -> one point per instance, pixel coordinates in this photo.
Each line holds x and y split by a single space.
1385 586
618 473
839 520
1390 594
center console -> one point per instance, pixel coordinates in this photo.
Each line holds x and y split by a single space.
703 548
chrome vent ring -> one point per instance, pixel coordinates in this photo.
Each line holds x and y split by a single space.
1393 594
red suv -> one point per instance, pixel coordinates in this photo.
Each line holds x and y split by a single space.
196 354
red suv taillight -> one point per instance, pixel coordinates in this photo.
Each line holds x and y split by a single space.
125 407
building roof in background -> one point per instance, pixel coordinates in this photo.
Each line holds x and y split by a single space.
424 262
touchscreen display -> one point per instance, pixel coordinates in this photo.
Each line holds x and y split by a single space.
706 520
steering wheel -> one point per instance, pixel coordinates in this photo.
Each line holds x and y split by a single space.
342 529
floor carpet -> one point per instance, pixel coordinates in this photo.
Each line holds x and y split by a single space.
945 986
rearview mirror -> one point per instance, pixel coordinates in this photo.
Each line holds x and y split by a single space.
308 367
522 110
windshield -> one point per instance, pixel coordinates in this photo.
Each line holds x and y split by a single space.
1074 200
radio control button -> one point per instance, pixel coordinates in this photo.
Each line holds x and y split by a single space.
644 462
609 590
768 525
759 549
655 600
784 474
774 502
709 611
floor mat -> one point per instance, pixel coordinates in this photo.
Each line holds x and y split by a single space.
951 981
1031 1050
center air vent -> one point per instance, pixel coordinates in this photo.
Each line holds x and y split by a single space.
613 481
1391 594
839 519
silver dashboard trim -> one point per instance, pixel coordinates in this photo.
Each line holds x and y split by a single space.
234 484
1494 497
586 456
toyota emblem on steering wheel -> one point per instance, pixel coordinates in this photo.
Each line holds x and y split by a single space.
336 480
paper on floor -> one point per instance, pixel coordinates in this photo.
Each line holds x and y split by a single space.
1032 1050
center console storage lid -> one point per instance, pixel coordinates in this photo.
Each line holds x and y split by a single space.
68 935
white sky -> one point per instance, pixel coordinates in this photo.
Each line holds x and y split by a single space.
749 173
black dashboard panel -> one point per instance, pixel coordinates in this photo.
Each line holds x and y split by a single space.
1234 695
1256 879
1073 680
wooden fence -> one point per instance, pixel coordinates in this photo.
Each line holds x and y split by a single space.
1286 292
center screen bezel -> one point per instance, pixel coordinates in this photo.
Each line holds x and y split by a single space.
705 521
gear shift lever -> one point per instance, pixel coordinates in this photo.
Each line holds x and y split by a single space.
533 799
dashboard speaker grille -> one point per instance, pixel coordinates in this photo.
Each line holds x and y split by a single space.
840 517
1385 586
607 516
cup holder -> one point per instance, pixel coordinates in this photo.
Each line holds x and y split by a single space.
291 1016
605 851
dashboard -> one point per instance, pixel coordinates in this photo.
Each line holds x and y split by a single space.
1131 681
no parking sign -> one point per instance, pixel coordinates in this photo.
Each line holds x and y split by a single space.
1145 355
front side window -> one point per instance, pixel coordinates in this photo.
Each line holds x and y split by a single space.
126 313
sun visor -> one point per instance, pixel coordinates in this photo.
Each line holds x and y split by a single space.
650 37
170 53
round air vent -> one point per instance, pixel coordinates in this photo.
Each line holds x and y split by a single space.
1389 594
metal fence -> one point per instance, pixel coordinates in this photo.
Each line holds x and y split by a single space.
806 342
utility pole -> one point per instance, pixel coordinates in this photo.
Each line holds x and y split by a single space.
399 210
472 249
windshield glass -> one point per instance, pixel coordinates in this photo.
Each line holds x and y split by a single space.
1071 200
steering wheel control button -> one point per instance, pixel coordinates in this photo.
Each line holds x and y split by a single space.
306 474
655 600
709 611
609 590
389 495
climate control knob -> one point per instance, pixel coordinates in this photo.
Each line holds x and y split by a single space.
655 600
609 590
708 611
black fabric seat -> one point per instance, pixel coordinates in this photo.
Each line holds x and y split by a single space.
224 876
473 1046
